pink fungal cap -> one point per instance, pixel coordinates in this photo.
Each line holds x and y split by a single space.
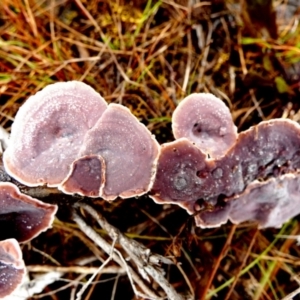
205 120
12 267
267 149
86 178
23 217
129 150
48 132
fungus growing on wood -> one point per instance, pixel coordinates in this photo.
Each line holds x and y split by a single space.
12 267
48 132
22 217
129 150
86 178
270 203
205 120
187 178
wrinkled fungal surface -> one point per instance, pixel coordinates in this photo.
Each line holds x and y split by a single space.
268 149
22 217
205 120
12 267
129 150
268 152
86 178
48 131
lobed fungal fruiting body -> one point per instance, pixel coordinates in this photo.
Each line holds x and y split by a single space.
87 147
48 130
22 216
261 161
58 127
207 122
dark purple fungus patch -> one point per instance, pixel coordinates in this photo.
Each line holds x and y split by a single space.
209 187
129 150
268 149
12 267
22 217
205 120
48 132
86 178
182 175
186 177
269 203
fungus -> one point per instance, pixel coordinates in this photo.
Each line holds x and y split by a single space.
205 120
48 132
87 177
129 150
22 216
266 151
269 203
178 178
185 175
12 267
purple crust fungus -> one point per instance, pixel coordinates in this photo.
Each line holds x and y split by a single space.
86 178
270 203
253 165
129 150
205 120
12 267
48 131
22 216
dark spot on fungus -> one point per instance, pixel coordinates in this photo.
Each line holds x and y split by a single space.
206 120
